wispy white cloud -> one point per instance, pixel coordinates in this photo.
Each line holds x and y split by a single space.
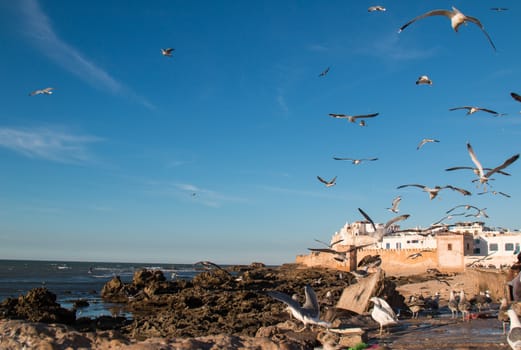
389 47
39 30
48 144
281 101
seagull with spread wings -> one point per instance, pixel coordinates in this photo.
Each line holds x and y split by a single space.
424 141
356 161
423 80
324 72
433 192
395 204
376 8
308 313
329 183
473 109
485 177
167 52
46 91
352 118
456 17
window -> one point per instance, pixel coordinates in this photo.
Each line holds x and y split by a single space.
449 246
477 250
414 241
493 247
387 245
468 246
398 245
477 241
509 247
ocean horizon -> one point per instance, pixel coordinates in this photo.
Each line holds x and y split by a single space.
75 280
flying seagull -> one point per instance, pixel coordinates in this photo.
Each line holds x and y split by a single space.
329 183
424 80
475 170
495 193
324 73
308 313
355 161
424 141
383 313
472 110
484 177
46 91
499 9
341 256
332 244
352 118
394 205
377 8
433 192
456 18
516 96
167 52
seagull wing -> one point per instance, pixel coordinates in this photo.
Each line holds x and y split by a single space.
460 190
459 168
456 207
335 115
396 219
488 110
311 302
323 250
478 23
446 13
387 309
338 158
367 217
516 96
322 180
504 165
286 299
415 185
365 116
463 107
475 160
396 202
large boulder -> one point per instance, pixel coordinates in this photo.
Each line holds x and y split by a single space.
38 305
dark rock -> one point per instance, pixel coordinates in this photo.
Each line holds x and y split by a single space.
38 305
80 303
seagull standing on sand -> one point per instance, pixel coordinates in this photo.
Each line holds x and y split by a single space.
46 91
456 17
453 305
329 183
167 52
464 305
356 161
424 80
514 334
383 313
503 315
308 313
424 141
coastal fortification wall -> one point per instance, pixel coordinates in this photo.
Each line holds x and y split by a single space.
397 262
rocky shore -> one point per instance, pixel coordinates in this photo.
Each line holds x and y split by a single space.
218 309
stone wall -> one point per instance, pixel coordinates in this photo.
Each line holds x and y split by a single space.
395 262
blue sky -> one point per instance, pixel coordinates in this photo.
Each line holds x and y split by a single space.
105 168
